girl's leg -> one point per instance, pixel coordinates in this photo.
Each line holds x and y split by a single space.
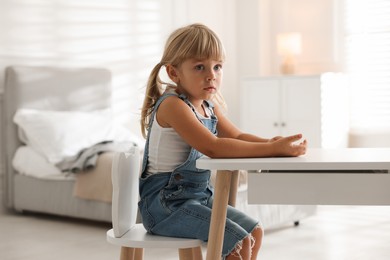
257 237
242 250
249 248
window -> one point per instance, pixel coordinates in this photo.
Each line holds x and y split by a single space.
367 26
121 35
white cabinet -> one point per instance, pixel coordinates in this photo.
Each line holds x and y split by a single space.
286 105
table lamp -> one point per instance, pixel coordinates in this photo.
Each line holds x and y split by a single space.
288 45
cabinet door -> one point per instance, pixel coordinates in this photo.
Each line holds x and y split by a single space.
301 108
261 107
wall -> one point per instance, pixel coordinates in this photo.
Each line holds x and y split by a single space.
319 24
220 16
260 21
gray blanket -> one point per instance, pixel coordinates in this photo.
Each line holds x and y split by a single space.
86 159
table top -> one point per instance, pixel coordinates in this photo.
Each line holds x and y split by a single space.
314 159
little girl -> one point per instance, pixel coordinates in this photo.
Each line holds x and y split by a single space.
184 122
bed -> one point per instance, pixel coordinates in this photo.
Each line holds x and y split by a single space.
59 89
86 194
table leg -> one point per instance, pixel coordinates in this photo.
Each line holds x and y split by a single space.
218 215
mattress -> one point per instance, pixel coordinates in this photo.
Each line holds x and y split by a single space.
41 187
52 196
93 184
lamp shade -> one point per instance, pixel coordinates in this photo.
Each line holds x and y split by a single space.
289 44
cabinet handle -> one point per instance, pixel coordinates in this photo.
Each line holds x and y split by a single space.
283 124
276 124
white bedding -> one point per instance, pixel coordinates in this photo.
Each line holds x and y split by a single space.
29 162
58 135
53 136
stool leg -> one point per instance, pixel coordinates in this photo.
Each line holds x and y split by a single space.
127 253
139 254
185 254
197 253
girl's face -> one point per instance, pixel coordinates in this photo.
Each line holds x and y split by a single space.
198 79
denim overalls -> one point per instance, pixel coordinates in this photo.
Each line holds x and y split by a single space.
179 203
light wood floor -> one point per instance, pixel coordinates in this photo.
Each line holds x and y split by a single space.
335 233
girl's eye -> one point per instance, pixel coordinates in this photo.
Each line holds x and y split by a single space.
199 67
218 67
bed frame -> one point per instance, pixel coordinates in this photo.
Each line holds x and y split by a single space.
51 88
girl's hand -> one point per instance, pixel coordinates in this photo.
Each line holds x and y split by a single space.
274 139
288 146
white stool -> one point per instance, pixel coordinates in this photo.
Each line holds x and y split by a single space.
133 237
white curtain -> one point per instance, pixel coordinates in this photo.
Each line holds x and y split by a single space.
367 26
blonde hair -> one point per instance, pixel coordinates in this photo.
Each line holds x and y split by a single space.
192 41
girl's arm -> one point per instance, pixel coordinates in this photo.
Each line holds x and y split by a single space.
227 129
173 112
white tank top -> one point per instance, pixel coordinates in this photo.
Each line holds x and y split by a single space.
167 149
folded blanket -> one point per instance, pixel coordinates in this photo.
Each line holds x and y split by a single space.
86 159
95 184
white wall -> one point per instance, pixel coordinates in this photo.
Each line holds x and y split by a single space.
260 21
220 16
320 27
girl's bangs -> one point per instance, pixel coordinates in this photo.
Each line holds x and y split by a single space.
207 47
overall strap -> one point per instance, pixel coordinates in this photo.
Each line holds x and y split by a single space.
158 103
208 104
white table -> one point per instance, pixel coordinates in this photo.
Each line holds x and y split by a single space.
350 176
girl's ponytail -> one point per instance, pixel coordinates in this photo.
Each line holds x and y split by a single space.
152 94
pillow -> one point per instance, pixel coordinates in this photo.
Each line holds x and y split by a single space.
60 134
